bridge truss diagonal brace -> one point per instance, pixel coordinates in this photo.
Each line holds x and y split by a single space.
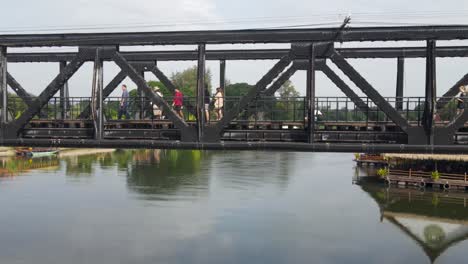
284 77
214 133
19 90
369 91
110 87
360 104
452 92
40 101
458 122
171 87
187 133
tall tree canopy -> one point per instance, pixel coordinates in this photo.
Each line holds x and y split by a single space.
186 80
287 90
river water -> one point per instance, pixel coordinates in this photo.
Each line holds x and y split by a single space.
220 207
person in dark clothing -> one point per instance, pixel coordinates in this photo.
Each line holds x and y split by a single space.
124 103
206 100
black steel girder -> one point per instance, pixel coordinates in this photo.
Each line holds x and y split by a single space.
452 92
360 104
19 90
369 91
285 76
258 146
40 101
248 54
238 36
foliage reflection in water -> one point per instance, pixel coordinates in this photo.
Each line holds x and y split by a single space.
166 206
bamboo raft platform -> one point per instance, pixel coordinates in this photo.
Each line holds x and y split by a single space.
370 160
445 181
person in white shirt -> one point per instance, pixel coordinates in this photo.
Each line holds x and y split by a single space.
157 112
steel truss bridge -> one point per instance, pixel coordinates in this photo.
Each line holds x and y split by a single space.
257 120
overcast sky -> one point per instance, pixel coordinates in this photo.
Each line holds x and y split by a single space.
48 16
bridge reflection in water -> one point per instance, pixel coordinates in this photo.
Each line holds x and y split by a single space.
435 221
276 199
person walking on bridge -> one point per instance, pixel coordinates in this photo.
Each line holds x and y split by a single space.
157 111
206 101
123 103
461 100
178 103
219 103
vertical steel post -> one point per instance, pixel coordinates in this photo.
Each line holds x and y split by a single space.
400 83
201 90
100 87
3 87
141 96
310 93
222 74
64 93
430 93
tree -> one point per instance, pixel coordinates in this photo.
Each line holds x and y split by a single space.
237 89
289 107
187 80
287 90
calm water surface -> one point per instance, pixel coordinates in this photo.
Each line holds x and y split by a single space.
220 207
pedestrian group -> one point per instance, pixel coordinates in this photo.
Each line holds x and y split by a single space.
216 103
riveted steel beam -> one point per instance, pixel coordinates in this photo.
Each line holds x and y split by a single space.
369 91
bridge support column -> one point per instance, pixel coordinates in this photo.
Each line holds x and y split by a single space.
400 83
3 87
222 75
430 93
99 95
310 93
141 99
64 95
201 91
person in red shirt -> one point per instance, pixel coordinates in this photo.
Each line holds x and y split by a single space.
178 102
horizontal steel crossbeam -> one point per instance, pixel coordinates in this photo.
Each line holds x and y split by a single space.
253 54
239 36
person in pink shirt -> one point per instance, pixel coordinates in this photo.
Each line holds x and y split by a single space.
178 103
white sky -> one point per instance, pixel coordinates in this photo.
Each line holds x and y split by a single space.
48 16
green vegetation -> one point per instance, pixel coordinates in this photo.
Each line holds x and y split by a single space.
382 172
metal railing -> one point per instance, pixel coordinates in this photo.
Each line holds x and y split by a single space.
262 109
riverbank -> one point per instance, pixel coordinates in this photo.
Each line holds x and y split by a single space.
64 152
